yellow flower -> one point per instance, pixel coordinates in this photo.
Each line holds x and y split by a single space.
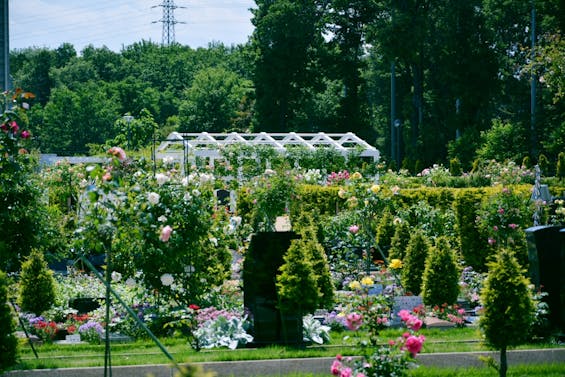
375 189
352 202
395 264
367 281
342 193
356 176
354 285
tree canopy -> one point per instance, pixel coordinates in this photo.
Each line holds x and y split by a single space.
460 69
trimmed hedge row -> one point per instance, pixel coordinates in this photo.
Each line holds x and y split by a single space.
466 203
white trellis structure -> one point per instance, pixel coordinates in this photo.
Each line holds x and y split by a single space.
184 147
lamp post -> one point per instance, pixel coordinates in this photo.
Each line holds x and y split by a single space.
397 129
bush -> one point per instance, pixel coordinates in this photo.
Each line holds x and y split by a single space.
560 166
297 284
37 286
414 262
385 230
440 283
399 241
508 306
472 244
455 167
8 341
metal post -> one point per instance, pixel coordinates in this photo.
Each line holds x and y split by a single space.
392 111
533 79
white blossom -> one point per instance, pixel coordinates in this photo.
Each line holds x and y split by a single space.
161 178
167 280
153 198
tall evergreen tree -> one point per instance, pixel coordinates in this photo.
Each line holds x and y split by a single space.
508 306
287 37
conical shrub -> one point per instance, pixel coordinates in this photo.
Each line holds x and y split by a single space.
440 283
37 286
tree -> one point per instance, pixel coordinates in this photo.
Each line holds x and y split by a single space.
287 37
37 286
214 101
297 285
399 241
440 282
347 22
8 340
415 262
508 309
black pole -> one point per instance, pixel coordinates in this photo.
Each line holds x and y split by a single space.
107 348
533 79
132 314
25 330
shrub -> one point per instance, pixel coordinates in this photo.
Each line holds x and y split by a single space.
455 167
297 285
560 166
385 230
472 244
414 262
508 306
440 283
8 341
399 240
37 286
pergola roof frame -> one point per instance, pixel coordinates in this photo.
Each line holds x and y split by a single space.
208 145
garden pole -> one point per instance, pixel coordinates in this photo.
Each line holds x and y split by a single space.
107 354
131 312
25 330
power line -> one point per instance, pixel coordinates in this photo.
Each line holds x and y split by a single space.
168 21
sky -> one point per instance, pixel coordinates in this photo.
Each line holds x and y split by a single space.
120 23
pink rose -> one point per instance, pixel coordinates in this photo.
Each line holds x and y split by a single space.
166 233
14 127
414 323
414 344
336 368
513 226
491 241
25 134
354 229
346 372
353 321
404 315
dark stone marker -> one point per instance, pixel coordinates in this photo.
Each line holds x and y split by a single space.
260 268
546 254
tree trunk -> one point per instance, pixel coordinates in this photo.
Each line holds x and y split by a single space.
503 363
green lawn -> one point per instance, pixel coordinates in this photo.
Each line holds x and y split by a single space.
146 352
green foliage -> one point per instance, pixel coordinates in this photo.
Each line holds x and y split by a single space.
22 212
385 230
502 219
561 165
440 282
544 165
400 240
217 101
307 229
8 340
503 133
415 262
455 167
37 286
473 250
508 308
297 284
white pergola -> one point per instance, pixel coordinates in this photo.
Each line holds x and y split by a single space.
183 146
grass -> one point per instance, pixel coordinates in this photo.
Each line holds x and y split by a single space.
146 352
540 370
